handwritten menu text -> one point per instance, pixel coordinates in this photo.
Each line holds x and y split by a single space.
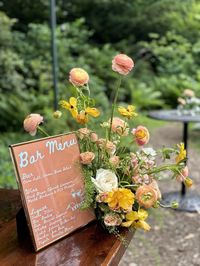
51 185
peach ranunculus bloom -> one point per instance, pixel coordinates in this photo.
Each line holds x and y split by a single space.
78 77
31 122
94 137
83 132
114 160
141 135
87 157
110 147
119 126
146 196
122 64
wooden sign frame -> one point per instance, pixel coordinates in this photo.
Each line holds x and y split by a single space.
69 185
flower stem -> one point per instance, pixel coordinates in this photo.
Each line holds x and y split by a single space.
113 106
43 131
172 167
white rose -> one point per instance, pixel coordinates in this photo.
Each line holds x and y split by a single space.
105 180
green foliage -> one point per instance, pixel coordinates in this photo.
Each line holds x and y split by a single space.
89 190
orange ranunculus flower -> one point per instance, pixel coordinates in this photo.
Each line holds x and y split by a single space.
119 126
31 122
78 77
141 135
87 157
146 196
122 64
120 198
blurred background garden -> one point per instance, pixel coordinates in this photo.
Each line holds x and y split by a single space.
162 36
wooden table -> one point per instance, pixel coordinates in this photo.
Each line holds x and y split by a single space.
87 246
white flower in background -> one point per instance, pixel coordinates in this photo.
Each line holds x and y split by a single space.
149 152
105 180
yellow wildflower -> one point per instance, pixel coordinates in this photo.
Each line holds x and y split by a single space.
71 106
137 219
82 117
120 198
92 111
182 153
128 112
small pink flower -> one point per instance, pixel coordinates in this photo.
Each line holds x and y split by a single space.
112 220
134 160
87 157
83 132
114 160
119 126
139 179
31 122
94 137
78 77
122 64
141 135
184 173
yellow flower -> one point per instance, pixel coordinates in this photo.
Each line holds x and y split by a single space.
92 111
137 219
71 106
82 117
182 153
120 198
127 112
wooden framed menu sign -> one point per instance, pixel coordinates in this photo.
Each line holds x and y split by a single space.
51 185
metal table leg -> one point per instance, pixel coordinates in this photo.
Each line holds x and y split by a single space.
187 201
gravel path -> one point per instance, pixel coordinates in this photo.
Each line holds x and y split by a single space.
174 239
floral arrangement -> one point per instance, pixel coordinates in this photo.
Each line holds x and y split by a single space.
188 103
121 181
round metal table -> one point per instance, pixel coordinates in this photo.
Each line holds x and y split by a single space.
187 201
